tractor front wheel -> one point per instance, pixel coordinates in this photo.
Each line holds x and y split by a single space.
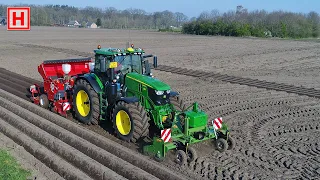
178 103
221 144
130 121
86 103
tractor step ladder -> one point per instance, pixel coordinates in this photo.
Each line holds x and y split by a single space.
103 107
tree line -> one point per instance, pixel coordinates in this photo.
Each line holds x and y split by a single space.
238 22
109 17
257 23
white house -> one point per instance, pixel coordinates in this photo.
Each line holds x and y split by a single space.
73 24
91 25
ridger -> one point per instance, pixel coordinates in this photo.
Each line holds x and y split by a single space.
118 86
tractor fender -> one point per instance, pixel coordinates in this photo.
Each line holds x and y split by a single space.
173 94
92 81
129 99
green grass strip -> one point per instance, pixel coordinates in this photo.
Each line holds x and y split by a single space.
10 169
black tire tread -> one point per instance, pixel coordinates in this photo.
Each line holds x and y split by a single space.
46 101
140 120
178 103
184 157
95 116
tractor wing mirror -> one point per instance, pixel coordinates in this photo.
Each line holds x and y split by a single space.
155 61
147 67
103 65
147 56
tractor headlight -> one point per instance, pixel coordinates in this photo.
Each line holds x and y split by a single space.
168 91
159 92
117 77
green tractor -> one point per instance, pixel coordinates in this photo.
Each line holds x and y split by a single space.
122 89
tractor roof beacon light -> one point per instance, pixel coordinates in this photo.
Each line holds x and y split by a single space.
99 46
131 50
132 45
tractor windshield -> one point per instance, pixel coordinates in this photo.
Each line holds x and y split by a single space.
129 63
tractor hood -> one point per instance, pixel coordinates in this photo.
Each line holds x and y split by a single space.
149 81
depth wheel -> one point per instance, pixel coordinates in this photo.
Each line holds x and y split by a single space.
231 143
221 145
181 157
43 101
86 103
130 121
191 154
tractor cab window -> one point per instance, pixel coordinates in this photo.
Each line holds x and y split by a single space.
136 63
129 63
124 64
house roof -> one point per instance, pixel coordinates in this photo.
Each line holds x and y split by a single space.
73 22
90 23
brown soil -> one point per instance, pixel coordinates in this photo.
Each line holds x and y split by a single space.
277 133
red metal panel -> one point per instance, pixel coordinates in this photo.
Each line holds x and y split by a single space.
54 69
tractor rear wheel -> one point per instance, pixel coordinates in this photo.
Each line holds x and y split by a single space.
178 103
86 103
130 121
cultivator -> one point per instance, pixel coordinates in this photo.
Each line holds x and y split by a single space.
189 127
119 86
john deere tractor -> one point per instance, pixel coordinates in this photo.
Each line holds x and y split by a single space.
122 89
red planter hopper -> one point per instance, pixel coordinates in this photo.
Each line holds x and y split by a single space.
57 86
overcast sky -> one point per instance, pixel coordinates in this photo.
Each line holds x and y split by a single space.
188 7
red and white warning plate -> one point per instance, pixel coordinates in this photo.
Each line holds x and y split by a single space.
66 106
166 135
217 123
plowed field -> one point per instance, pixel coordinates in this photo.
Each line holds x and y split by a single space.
254 84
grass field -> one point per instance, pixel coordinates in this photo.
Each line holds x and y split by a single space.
10 169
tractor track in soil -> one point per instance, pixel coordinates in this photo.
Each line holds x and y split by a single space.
311 92
265 151
82 153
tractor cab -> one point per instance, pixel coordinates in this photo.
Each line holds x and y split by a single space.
123 61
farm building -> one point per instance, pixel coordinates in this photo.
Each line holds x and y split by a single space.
73 24
91 25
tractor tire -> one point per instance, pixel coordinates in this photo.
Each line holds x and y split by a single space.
181 157
231 143
221 145
191 154
43 101
86 103
130 121
178 103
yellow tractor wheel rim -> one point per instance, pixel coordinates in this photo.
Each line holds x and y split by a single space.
123 122
83 103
